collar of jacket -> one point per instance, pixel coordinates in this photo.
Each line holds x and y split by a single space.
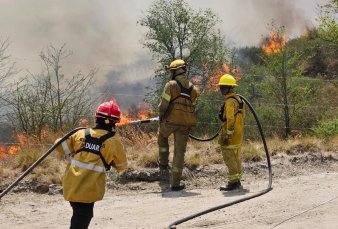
180 77
229 95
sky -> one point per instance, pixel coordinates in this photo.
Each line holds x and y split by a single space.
105 34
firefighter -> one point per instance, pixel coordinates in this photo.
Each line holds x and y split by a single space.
91 153
177 116
232 116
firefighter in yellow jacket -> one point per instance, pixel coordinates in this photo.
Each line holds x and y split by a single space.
232 115
177 116
91 152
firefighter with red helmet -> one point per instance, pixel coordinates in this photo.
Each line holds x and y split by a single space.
91 153
177 116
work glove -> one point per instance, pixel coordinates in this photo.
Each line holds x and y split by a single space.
225 138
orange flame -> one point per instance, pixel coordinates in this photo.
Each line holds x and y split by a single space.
124 120
22 138
13 150
8 151
213 76
142 112
2 151
275 44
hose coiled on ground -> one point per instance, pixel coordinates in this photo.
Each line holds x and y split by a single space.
269 188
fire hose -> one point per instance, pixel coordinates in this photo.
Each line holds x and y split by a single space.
174 224
41 158
50 150
269 188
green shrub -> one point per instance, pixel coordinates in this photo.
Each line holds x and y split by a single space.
327 129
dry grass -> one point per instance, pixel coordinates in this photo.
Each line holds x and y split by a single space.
331 144
6 171
50 171
202 153
294 146
252 151
142 152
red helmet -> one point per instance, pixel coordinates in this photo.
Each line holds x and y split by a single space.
109 110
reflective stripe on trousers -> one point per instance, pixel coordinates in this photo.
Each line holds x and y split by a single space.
232 159
234 177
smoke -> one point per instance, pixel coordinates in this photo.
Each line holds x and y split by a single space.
244 22
105 34
125 84
284 13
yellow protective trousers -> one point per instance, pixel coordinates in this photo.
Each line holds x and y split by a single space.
181 135
232 159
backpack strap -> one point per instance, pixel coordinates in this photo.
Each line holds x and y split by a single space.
240 104
94 145
184 92
240 108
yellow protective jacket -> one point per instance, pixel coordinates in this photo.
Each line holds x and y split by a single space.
176 106
84 179
232 132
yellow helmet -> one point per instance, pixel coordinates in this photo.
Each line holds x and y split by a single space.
227 80
176 64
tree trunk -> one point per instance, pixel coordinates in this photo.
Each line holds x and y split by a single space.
285 97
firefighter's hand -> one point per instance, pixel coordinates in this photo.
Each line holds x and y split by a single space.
225 138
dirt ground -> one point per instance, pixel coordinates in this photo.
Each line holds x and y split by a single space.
304 195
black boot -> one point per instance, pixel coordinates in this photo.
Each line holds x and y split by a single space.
231 186
178 187
164 172
163 167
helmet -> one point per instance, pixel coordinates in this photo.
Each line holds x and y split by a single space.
227 80
176 64
108 110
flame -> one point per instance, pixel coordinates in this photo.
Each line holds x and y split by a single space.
2 151
8 151
142 113
275 44
13 150
226 68
22 138
213 75
124 120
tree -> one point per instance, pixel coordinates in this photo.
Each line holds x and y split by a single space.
328 22
284 84
6 70
328 32
29 108
6 67
50 99
174 30
67 95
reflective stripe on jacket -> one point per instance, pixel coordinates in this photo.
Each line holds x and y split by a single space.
84 179
233 126
178 110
